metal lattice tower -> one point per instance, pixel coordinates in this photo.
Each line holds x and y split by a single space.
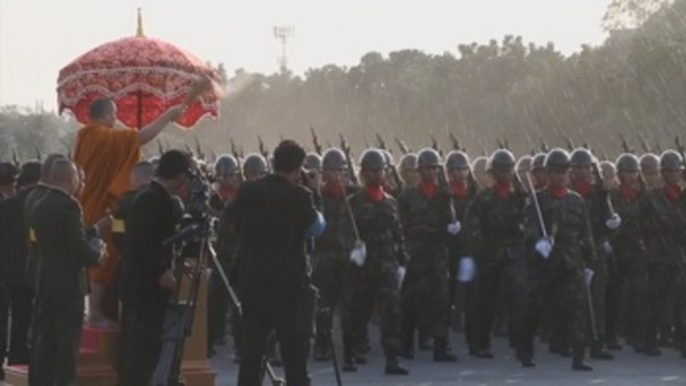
283 34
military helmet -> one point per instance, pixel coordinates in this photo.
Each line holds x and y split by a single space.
408 162
480 163
225 165
312 161
255 163
581 157
627 162
649 160
388 157
457 160
334 158
373 159
557 158
524 163
671 160
428 157
538 162
501 159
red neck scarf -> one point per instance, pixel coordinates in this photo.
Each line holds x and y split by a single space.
557 191
673 192
503 190
376 193
583 188
459 189
428 188
226 192
334 189
628 192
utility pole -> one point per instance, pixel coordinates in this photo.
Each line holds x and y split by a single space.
283 34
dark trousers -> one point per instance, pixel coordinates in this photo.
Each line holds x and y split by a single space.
141 344
262 313
57 334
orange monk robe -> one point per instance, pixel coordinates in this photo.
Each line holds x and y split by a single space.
107 157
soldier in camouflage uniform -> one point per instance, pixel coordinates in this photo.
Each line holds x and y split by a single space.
227 175
408 170
558 260
425 211
254 167
665 226
332 248
378 268
602 222
494 226
539 174
632 258
650 170
463 190
479 168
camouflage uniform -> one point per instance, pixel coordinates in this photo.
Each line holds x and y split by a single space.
425 290
560 278
379 227
494 227
664 222
331 262
632 262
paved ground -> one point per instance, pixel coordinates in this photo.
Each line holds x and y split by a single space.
627 369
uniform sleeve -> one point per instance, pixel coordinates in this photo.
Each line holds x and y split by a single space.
75 236
587 244
401 252
473 227
310 218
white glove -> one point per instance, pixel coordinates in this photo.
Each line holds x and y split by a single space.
588 274
613 222
454 228
467 270
359 254
544 247
607 247
401 275
98 245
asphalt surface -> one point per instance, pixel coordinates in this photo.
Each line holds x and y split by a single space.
627 369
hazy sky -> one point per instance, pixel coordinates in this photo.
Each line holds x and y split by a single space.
38 37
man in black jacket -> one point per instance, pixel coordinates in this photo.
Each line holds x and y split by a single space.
148 280
13 253
274 218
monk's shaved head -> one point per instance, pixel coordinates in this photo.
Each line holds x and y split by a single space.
46 168
142 174
101 108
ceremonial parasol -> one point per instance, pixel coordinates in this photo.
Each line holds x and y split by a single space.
143 76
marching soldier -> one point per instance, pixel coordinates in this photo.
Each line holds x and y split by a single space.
227 174
632 259
378 268
254 167
539 174
408 169
332 249
557 228
603 220
425 211
494 225
665 226
463 190
480 170
650 170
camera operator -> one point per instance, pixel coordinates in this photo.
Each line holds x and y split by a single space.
274 218
149 278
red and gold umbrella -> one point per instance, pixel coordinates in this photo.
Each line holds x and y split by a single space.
143 76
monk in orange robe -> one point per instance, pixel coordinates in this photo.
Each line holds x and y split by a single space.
107 156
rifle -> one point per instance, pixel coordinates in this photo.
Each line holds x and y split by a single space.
15 159
625 146
434 145
264 152
455 141
39 157
391 165
198 149
238 158
644 143
351 167
568 142
315 142
403 147
160 149
544 146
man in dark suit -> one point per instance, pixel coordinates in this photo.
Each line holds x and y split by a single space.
274 218
63 254
147 280
13 253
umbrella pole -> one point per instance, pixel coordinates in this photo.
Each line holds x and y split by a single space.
139 108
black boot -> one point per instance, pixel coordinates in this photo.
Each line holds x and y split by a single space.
394 368
407 351
322 351
442 352
349 364
578 363
598 352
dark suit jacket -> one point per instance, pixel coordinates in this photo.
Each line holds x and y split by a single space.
63 249
13 241
150 221
272 215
